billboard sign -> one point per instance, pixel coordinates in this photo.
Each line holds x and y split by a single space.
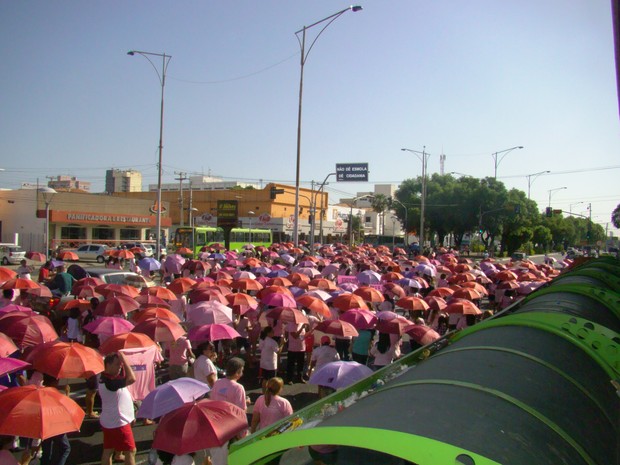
227 213
357 172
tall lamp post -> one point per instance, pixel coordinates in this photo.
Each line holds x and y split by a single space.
530 181
552 191
406 222
354 202
303 57
48 194
423 156
504 152
313 213
165 59
570 207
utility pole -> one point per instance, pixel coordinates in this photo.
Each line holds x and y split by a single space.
182 177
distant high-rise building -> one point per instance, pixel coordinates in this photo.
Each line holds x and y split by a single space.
123 181
68 183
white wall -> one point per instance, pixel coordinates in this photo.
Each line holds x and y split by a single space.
18 215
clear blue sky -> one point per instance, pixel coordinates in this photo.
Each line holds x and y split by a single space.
462 78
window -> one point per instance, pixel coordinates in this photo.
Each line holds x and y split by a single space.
130 234
103 233
72 232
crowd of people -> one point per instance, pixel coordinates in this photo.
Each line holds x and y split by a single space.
289 313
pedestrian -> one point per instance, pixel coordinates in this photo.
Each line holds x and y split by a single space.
204 368
270 407
62 283
296 354
228 388
179 357
361 346
322 355
117 411
23 270
269 353
72 329
384 351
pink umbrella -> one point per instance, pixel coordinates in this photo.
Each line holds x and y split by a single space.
278 300
174 263
209 312
170 396
7 346
360 318
15 308
214 332
109 326
287 315
27 329
394 326
337 328
11 365
422 334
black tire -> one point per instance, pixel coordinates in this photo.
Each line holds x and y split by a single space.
5 261
100 259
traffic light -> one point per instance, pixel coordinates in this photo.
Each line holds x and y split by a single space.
548 212
273 192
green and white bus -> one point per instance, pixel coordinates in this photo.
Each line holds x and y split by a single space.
200 236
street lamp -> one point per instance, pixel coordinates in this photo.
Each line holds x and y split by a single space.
570 207
48 194
313 213
505 152
394 219
251 213
423 156
165 59
530 180
406 222
551 191
461 174
353 202
303 57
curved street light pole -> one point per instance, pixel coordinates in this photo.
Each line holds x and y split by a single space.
165 59
552 191
313 213
406 221
48 194
530 181
423 156
505 152
303 57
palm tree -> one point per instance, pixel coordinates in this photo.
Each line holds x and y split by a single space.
380 204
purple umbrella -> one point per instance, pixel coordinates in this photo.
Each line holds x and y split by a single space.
149 264
170 396
349 287
369 277
360 318
339 374
174 262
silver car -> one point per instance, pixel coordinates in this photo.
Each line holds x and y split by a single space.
11 254
94 252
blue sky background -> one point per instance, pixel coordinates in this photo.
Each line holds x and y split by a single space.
462 78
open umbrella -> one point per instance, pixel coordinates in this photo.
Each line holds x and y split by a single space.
412 303
369 277
323 284
27 329
467 293
422 334
6 274
120 305
38 412
113 290
68 360
158 291
337 328
209 312
174 263
36 256
11 365
435 303
15 308
213 332
109 326
394 326
149 264
68 255
462 307
160 329
347 301
369 294
278 300
199 425
125 341
19 283
171 395
181 285
155 312
7 346
360 318
339 374
287 315
314 304
395 289
147 301
241 300
246 284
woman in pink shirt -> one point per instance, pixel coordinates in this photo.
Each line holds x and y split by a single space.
270 407
180 353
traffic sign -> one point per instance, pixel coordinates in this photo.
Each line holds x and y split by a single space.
357 172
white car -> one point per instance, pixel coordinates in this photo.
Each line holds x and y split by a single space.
11 254
95 252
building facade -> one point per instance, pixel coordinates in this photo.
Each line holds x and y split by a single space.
123 181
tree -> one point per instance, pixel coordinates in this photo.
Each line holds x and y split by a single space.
615 216
380 204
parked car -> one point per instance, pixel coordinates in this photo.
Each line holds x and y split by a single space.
11 254
516 256
147 250
93 252
112 276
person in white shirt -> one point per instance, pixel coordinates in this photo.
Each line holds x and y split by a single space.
323 355
204 368
269 352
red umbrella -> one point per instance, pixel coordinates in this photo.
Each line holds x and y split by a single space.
369 294
337 328
394 326
89 281
7 346
68 255
506 275
477 286
38 412
111 290
36 256
412 303
324 284
276 289
462 307
160 329
467 293
74 303
287 315
199 425
19 283
184 251
126 254
395 289
205 295
151 301
158 291
27 329
240 299
181 285
422 334
68 360
86 292
6 274
391 276
314 304
213 332
360 318
109 326
155 312
508 285
125 341
280 281
436 303
120 305
442 292
347 301
246 284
